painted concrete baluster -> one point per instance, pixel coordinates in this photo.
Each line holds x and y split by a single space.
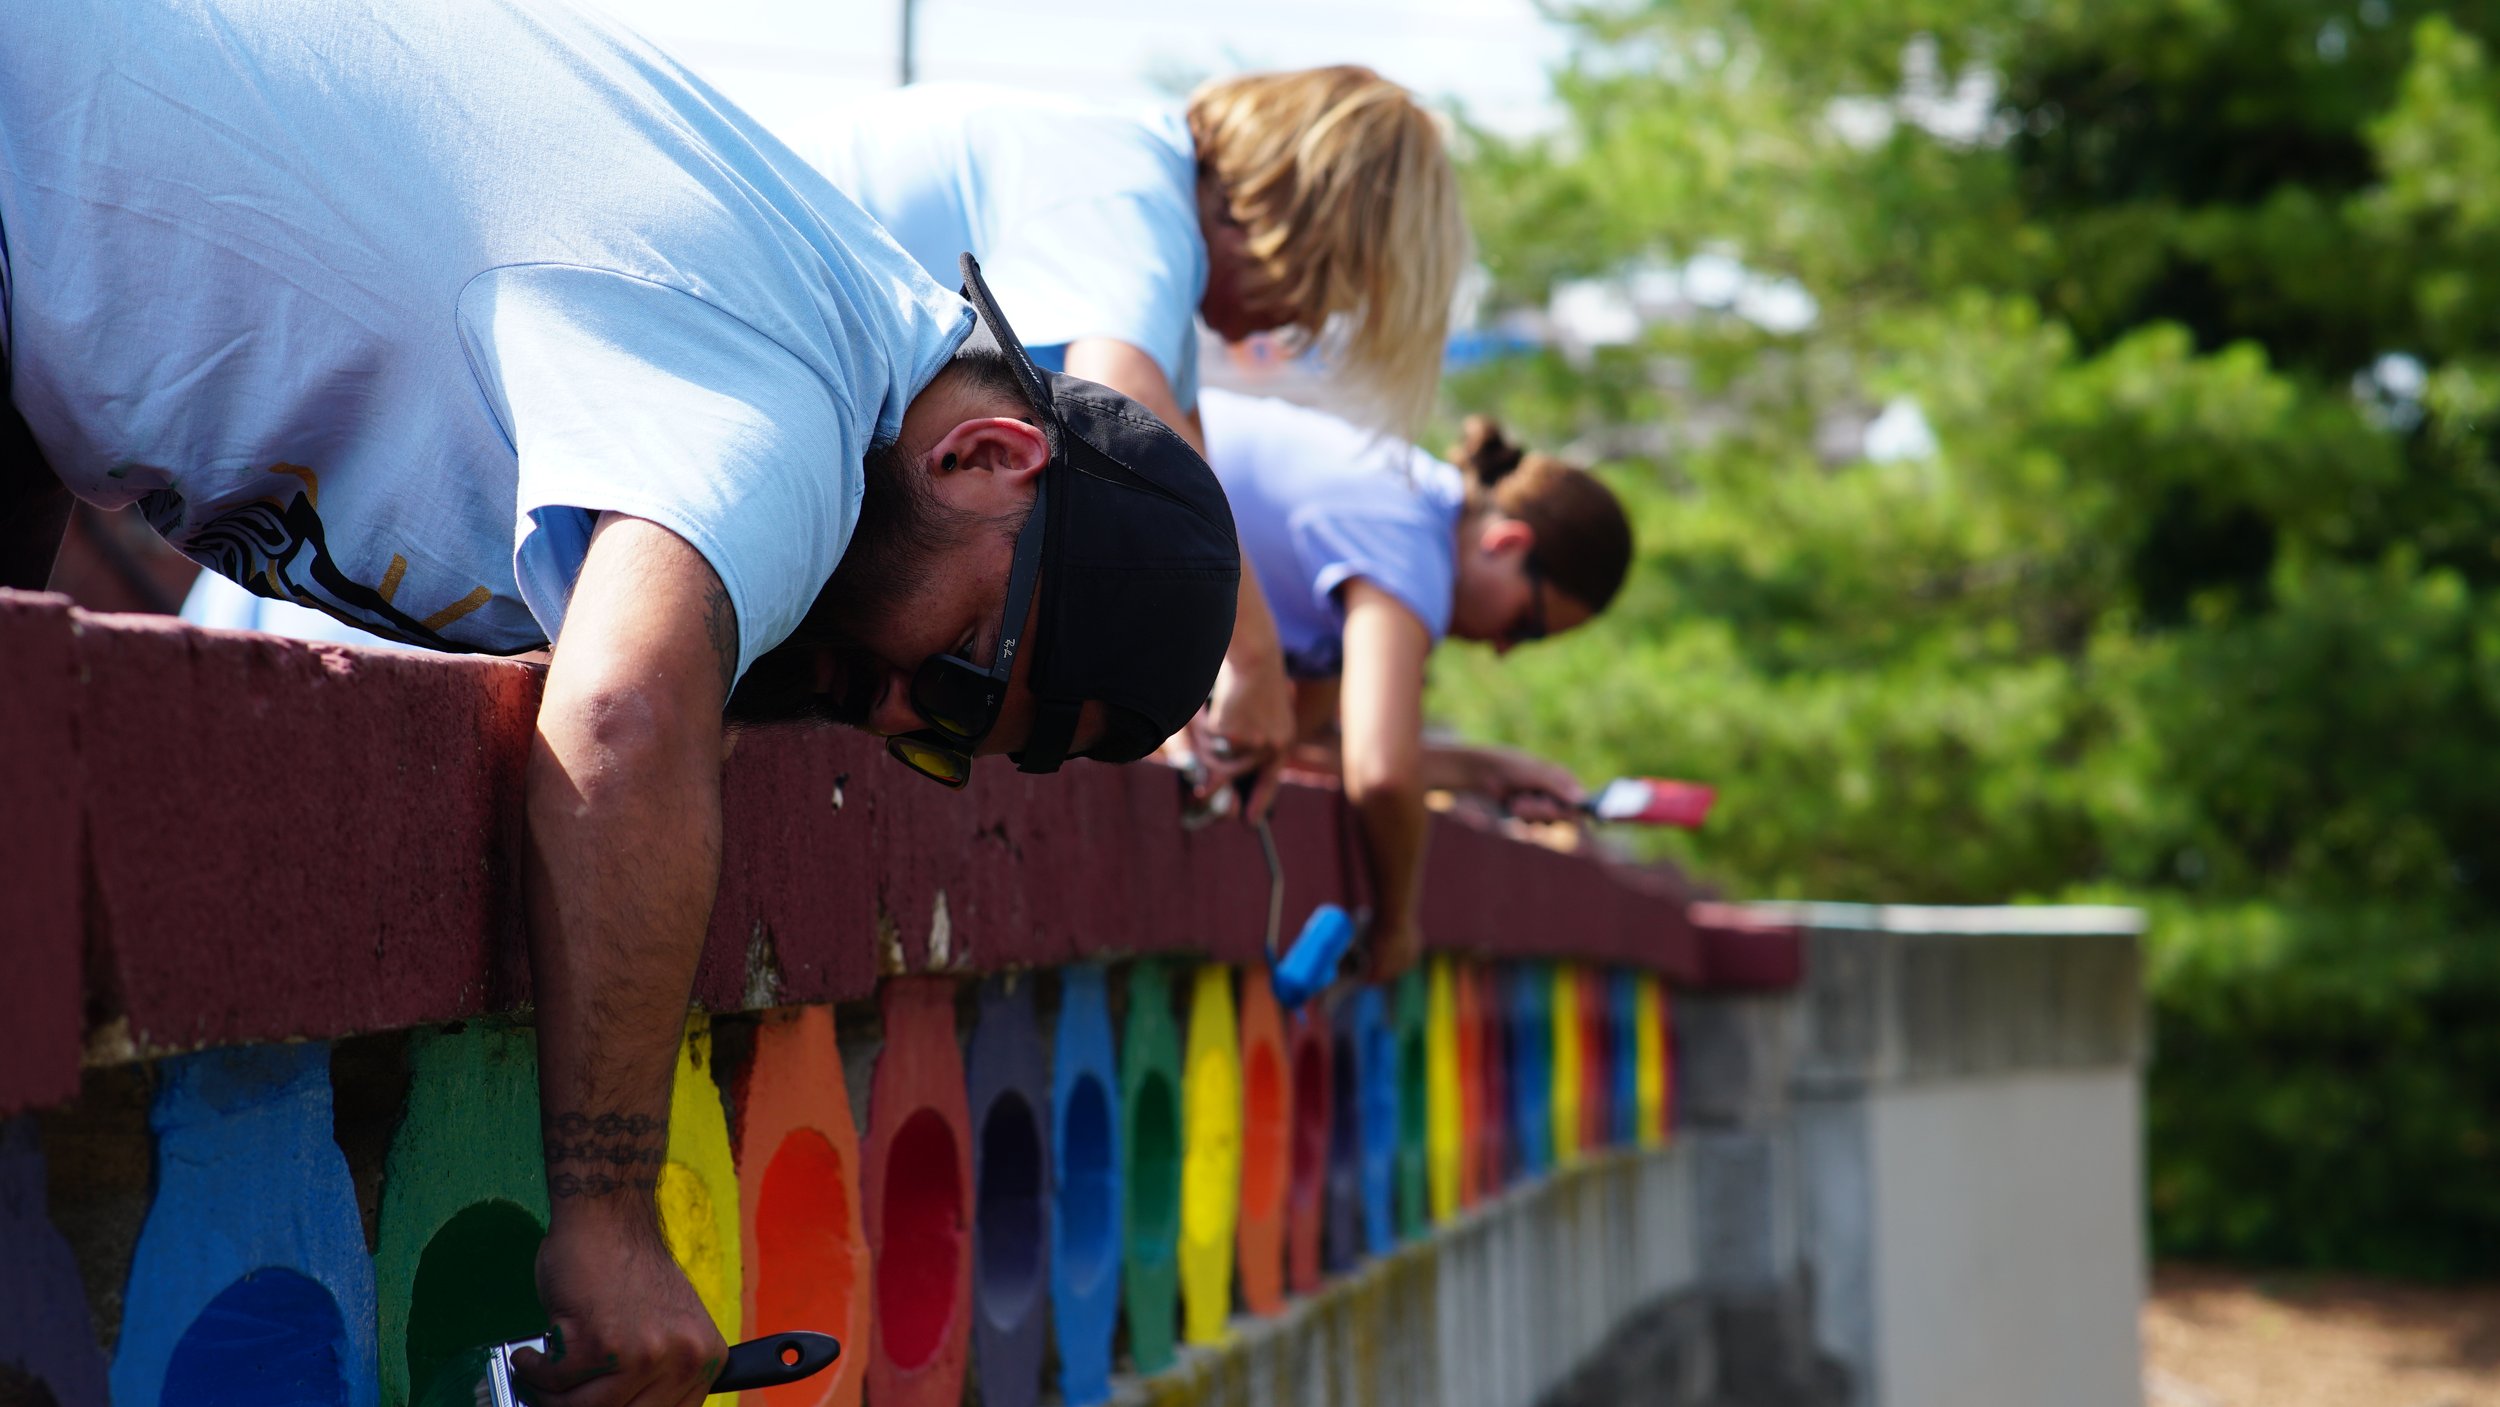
699 1186
1494 1120
1668 1088
1570 1051
464 1204
1010 1079
1406 1017
805 1252
1381 1119
1623 1058
1306 1201
1445 1130
1597 1047
1649 1060
918 1187
250 1280
1345 1242
1210 1157
45 1332
1531 1041
1268 1131
1085 1148
1469 1039
1150 1079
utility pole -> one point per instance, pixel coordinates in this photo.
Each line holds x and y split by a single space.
908 7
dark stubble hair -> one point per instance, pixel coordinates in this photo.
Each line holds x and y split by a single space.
904 536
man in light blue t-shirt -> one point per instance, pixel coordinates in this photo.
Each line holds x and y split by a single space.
1313 202
480 325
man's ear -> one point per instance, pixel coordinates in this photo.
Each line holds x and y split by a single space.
1506 537
986 465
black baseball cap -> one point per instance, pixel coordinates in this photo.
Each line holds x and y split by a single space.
1140 566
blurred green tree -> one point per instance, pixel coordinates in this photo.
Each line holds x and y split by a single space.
2190 597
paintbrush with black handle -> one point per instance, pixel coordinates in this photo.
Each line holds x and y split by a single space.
482 1377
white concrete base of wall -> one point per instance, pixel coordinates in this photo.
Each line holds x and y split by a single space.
1493 1310
2009 1226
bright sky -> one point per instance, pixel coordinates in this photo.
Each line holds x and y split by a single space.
779 58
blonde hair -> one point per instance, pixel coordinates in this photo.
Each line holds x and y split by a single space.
1344 185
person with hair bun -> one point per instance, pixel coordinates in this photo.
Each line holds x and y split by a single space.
1319 200
1371 550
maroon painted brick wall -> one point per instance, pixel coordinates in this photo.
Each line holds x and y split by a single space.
214 838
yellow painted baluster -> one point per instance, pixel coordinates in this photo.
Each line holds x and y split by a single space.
1568 1016
1210 1157
699 1185
1649 1052
1443 1133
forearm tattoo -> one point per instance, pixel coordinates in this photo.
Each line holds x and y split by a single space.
720 621
595 1155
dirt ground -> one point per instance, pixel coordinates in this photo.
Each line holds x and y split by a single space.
2220 1338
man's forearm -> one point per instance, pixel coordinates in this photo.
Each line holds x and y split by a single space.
624 857
624 853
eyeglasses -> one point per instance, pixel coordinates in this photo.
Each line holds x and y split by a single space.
1531 622
960 700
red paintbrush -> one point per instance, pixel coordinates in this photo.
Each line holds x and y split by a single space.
1652 801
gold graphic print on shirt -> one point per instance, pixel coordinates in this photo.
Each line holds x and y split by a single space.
281 551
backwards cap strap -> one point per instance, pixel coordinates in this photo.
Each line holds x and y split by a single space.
1054 726
993 323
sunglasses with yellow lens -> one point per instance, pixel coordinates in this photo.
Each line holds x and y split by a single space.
960 700
932 757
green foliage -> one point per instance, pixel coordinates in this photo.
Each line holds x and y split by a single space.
2197 600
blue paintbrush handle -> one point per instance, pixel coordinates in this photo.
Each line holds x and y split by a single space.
1310 965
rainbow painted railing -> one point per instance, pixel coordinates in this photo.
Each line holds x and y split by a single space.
984 1082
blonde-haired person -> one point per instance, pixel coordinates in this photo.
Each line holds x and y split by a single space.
1308 201
1371 551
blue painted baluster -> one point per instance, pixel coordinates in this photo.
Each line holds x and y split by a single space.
44 1329
250 1286
1085 1188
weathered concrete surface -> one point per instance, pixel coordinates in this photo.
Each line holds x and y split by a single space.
1968 1131
292 839
2010 1254
216 813
1738 948
42 1005
1494 1309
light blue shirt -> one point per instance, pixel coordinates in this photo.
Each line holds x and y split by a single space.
1319 502
220 603
1084 218
375 307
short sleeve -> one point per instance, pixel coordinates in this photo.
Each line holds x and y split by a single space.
1129 266
1408 557
622 395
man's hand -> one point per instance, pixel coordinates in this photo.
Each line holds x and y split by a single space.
624 853
1246 728
626 1327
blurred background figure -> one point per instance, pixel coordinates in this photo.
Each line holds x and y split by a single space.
1372 551
1307 203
